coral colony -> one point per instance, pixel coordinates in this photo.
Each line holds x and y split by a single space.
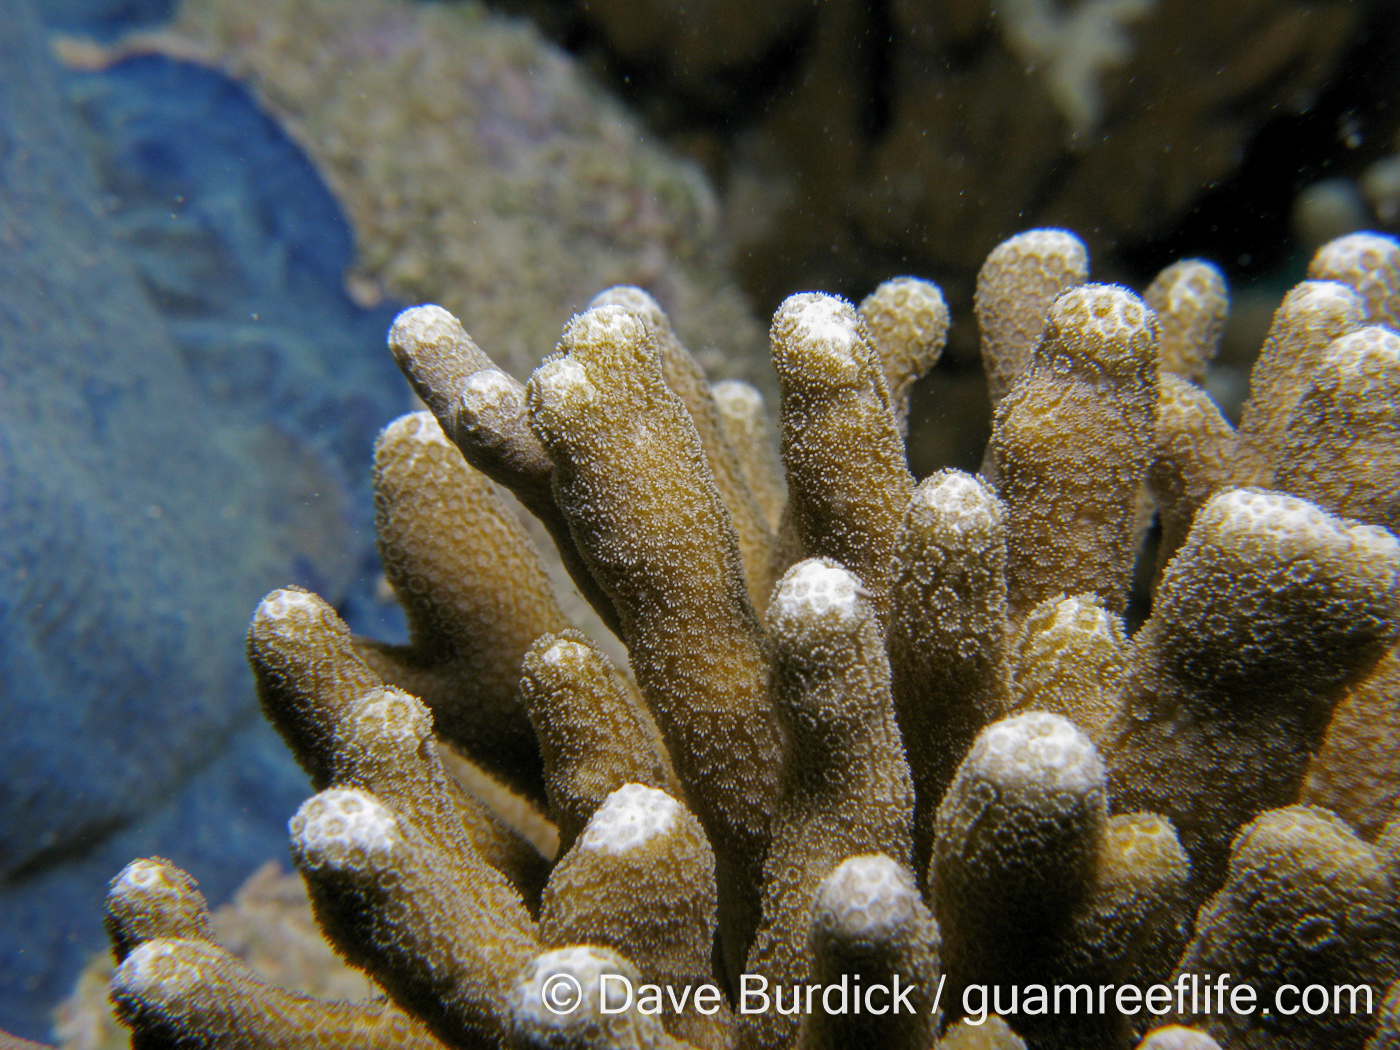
888 772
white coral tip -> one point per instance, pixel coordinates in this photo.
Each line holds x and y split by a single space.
737 399
283 604
140 877
158 969
563 379
960 502
606 325
424 325
394 715
488 388
866 896
563 988
419 427
824 327
565 652
815 589
341 826
630 817
1038 750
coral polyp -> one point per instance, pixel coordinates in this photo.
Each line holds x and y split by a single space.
874 736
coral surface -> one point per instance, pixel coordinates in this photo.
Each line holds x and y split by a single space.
268 925
896 738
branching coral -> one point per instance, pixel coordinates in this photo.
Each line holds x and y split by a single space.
928 757
1074 46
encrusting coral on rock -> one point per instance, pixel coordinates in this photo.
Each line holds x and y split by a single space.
888 740
480 166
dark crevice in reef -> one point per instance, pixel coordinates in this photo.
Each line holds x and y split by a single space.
1242 224
878 51
722 103
66 851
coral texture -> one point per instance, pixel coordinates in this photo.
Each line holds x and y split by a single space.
930 756
267 925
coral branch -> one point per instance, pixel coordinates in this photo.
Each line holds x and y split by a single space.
942 692
848 485
1269 610
631 476
1071 445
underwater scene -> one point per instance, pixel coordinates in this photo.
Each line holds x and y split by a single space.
700 525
